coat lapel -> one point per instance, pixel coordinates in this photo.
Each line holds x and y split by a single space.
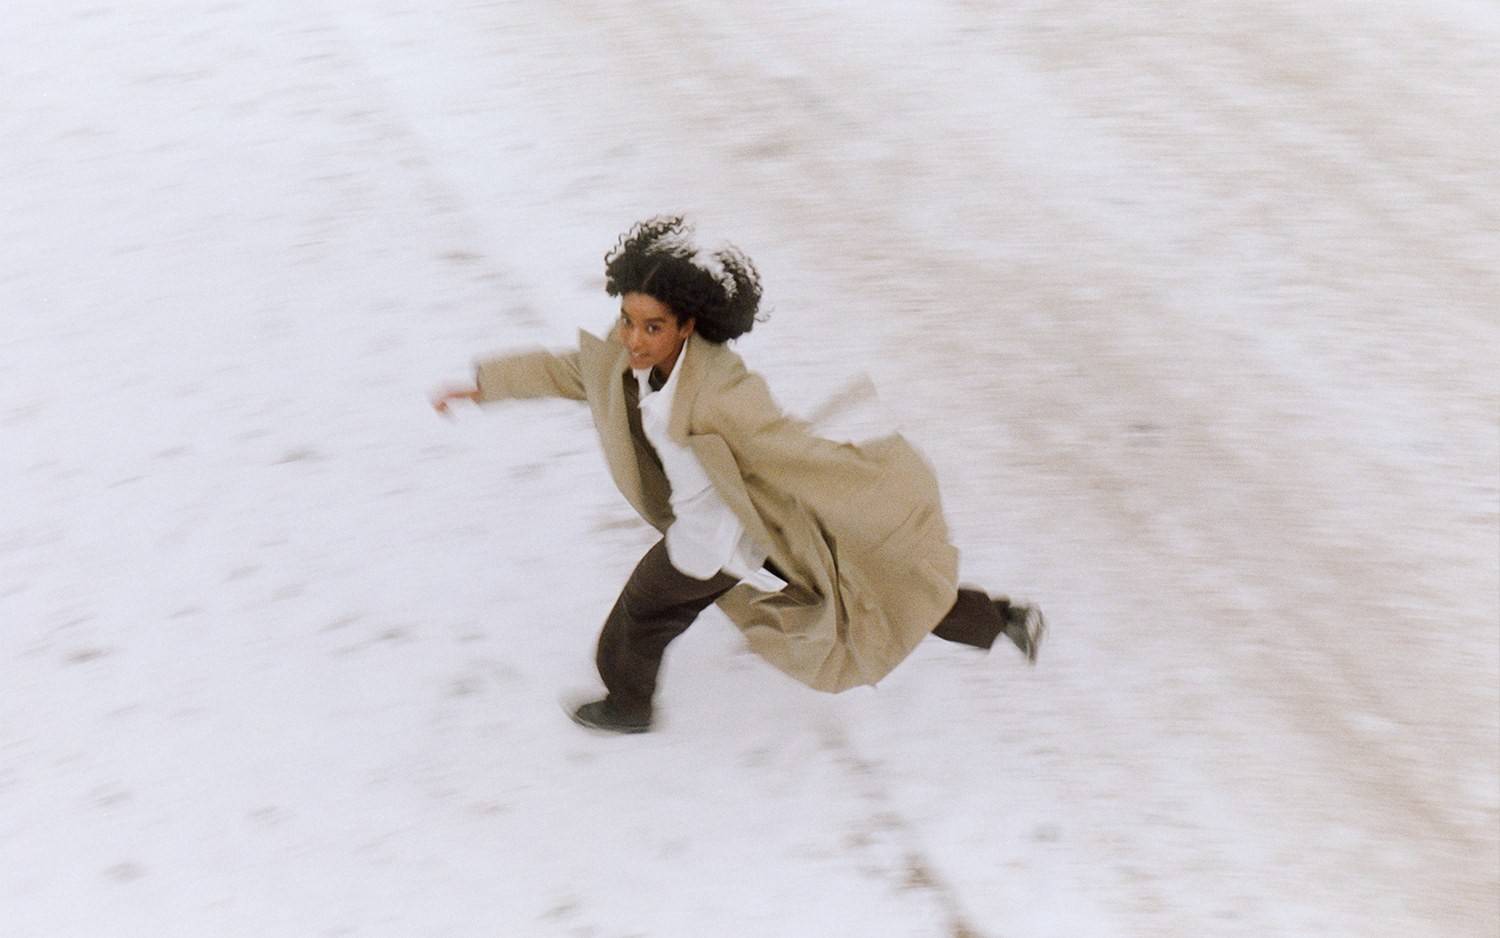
702 366
602 365
718 461
695 357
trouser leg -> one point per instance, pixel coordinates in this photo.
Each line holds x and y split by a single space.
975 619
658 604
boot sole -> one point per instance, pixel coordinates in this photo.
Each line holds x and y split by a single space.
1036 630
612 729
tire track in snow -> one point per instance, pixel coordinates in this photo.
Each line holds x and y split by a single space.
912 866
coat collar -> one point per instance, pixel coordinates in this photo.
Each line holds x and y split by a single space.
602 363
605 361
689 372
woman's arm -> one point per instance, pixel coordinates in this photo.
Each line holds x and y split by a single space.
765 439
866 491
529 374
443 399
521 375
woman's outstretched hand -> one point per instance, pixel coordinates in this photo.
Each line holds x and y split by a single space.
442 400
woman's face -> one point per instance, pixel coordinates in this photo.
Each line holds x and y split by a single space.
651 333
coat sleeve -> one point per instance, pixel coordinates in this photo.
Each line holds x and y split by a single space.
764 439
530 374
867 490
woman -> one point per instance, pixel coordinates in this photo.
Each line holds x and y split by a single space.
833 559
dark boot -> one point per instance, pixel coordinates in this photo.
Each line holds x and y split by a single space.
1025 626
602 715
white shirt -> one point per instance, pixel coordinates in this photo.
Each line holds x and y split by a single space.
706 537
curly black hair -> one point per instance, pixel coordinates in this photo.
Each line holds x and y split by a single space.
657 257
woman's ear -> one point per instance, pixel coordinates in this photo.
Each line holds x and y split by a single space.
687 330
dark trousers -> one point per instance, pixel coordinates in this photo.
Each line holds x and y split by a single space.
659 602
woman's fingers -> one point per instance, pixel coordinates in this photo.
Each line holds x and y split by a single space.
442 403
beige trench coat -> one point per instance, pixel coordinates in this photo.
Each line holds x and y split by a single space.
858 530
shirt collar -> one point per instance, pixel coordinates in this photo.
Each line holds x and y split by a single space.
643 375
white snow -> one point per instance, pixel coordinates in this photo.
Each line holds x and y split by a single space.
1194 311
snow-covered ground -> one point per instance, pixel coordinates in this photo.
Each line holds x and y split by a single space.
1194 307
